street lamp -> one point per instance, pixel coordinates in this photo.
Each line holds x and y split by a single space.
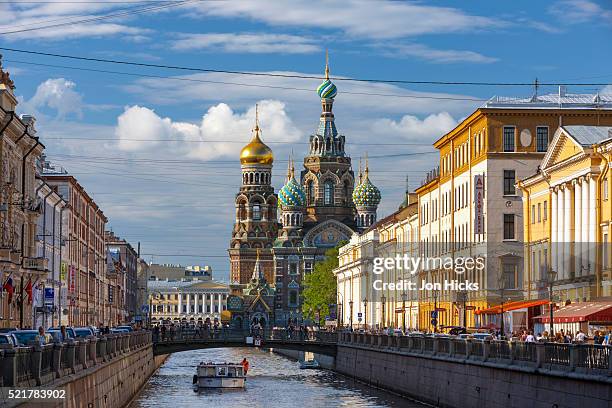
351 313
552 275
339 317
404 296
502 284
383 300
365 313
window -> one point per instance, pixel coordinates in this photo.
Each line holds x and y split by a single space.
545 210
605 188
542 138
539 212
509 180
293 268
533 217
256 212
510 278
310 192
509 138
605 254
329 193
293 298
509 226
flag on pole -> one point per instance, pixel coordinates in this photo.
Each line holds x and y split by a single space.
28 290
8 286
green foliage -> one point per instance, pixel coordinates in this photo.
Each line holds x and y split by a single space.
320 286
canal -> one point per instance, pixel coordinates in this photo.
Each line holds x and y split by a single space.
273 381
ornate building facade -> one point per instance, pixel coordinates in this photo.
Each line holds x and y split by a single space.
316 212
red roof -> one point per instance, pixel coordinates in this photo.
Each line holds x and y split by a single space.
581 312
521 304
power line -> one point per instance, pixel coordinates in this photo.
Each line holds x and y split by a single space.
295 76
288 88
122 13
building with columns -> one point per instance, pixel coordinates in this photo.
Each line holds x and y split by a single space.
186 300
567 217
470 206
358 295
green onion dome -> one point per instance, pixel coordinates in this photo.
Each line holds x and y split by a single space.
291 195
366 194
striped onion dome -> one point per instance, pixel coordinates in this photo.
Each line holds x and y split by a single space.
327 90
291 195
366 194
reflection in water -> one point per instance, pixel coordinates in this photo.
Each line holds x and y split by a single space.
273 381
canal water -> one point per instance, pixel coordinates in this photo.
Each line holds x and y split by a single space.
273 381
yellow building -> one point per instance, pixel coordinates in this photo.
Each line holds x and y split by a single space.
469 205
568 215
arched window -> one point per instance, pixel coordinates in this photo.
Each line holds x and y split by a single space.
241 212
310 191
329 193
256 178
256 212
347 191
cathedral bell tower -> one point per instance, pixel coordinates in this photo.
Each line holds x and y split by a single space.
255 225
327 178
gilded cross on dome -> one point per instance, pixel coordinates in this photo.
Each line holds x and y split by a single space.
5 77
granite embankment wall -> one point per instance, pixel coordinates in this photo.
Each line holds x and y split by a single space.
111 378
326 362
463 383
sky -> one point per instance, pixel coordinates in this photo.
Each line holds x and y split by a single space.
158 148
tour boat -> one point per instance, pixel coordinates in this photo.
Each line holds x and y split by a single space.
309 364
219 375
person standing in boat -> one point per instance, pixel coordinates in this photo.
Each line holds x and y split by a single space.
245 365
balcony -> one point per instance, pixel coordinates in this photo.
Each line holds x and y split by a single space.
38 264
9 255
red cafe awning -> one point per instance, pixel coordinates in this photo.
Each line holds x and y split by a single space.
581 312
521 304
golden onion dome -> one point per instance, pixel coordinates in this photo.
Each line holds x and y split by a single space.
256 152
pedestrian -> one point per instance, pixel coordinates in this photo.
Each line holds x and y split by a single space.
529 338
580 337
597 337
63 336
41 337
245 365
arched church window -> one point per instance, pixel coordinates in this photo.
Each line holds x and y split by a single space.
329 193
310 192
347 192
250 178
241 212
256 212
327 145
256 178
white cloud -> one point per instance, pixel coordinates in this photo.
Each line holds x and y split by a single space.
354 98
380 19
58 94
580 11
412 128
219 128
256 43
23 19
435 55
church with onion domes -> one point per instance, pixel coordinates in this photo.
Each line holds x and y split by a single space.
283 235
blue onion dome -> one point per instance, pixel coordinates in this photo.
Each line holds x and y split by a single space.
291 195
366 194
327 90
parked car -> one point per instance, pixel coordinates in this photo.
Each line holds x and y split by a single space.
118 330
83 332
24 337
7 339
69 331
7 329
128 328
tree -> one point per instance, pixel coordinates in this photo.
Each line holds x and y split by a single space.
320 286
